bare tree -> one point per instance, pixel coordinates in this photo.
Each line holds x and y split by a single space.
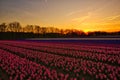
28 28
36 29
43 30
3 27
14 27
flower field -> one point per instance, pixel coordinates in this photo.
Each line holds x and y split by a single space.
30 60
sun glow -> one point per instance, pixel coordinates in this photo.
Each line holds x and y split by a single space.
86 15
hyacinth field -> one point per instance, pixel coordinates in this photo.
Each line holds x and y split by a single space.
31 60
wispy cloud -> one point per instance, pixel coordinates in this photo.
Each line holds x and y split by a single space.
111 18
72 13
83 18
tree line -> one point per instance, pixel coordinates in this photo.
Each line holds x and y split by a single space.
14 30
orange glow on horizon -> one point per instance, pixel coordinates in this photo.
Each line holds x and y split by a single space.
86 15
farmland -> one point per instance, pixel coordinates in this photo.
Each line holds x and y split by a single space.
50 60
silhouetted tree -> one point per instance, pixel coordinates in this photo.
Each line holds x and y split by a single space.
14 27
61 31
3 27
98 33
14 30
29 28
43 30
36 29
52 30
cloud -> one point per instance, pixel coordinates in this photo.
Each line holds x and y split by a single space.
72 13
111 18
83 18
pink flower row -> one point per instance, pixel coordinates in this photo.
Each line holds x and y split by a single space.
76 66
19 68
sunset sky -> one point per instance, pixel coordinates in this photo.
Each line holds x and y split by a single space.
86 15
